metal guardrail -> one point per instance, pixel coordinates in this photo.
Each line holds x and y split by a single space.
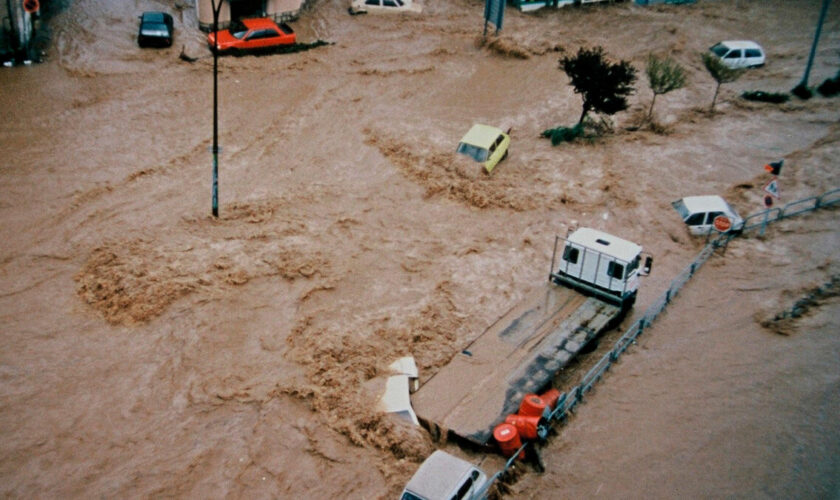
570 399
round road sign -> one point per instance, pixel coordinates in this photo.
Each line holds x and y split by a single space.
722 223
31 6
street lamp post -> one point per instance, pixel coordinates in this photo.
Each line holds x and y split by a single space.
802 88
215 151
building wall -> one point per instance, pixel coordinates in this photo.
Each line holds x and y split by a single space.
279 10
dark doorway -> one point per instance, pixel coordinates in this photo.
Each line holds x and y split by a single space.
240 9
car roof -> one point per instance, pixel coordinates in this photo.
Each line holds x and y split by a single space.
705 203
438 475
741 44
481 135
605 243
155 16
259 22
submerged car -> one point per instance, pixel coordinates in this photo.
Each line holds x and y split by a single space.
485 144
739 53
443 476
699 214
155 30
253 35
365 6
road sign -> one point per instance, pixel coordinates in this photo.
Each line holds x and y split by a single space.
772 188
722 223
768 201
31 6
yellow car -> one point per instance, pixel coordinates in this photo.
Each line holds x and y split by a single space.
486 145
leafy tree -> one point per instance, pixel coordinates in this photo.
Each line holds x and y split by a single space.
720 72
603 85
664 75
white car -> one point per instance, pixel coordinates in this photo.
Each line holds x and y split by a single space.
365 6
699 214
739 53
443 476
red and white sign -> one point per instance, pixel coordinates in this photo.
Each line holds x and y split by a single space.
772 188
31 6
722 223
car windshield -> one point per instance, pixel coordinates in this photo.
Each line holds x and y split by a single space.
154 27
476 153
720 50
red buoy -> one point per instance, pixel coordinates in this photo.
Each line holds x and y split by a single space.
532 406
526 425
508 438
550 398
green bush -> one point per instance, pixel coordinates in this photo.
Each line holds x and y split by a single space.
760 95
830 87
563 134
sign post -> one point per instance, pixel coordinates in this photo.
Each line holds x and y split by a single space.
494 12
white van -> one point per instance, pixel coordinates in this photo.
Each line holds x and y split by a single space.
739 53
444 477
699 213
602 264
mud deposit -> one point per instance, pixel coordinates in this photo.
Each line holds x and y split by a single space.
149 349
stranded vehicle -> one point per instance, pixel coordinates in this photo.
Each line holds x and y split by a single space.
252 35
699 214
589 289
443 476
376 6
486 145
739 53
155 30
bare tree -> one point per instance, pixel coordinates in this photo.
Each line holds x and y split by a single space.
664 75
720 72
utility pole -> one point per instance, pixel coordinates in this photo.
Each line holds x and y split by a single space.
802 88
215 151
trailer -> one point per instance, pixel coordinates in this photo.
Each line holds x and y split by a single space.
590 287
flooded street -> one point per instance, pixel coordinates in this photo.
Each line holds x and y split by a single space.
149 349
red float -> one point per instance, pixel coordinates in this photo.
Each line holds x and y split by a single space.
508 438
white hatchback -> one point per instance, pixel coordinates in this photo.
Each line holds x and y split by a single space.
699 214
365 6
739 53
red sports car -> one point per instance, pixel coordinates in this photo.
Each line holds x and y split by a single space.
253 35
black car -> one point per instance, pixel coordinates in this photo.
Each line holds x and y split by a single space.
155 30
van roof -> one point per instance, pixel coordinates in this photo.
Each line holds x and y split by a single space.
605 243
438 475
481 135
707 203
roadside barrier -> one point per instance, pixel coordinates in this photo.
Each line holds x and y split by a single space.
567 401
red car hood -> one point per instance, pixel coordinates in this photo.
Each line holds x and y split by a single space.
225 39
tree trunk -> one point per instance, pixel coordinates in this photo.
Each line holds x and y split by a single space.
583 114
717 89
650 111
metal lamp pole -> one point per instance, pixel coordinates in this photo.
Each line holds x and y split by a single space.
804 83
215 151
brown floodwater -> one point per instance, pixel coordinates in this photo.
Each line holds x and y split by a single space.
149 349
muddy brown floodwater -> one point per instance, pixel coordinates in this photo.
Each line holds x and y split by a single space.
148 349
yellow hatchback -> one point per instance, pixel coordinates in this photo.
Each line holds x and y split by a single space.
486 145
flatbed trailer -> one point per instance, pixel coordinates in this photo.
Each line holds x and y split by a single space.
518 354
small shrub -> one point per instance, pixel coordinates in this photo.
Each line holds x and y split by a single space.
563 134
802 92
760 95
830 87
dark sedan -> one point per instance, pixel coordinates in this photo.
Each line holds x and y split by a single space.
155 30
